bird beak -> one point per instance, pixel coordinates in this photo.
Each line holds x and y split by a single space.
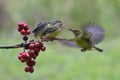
63 25
72 30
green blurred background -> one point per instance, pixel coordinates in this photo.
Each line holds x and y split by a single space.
59 62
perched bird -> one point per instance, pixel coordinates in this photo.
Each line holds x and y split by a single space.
48 29
39 29
86 38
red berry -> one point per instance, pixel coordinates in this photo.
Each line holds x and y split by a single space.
23 32
31 63
28 32
43 48
28 57
21 53
25 25
31 52
26 28
19 29
24 55
20 25
34 56
31 46
31 70
38 45
27 69
19 56
37 53
25 38
37 49
23 60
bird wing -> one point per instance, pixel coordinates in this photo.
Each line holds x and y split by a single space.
40 26
69 43
96 32
50 30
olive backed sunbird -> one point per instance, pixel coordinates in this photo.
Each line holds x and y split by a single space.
86 38
48 29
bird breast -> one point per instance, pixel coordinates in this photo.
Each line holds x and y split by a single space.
83 43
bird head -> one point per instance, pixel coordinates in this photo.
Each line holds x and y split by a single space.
58 23
61 25
76 32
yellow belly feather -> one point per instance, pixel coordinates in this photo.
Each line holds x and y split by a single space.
83 43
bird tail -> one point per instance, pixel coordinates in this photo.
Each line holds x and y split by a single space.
69 43
98 49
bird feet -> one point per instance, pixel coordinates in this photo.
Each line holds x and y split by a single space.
83 50
49 39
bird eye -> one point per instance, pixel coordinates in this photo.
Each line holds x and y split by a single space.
57 21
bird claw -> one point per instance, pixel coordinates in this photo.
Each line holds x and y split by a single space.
49 39
83 50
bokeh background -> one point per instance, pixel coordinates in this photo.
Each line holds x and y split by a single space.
59 62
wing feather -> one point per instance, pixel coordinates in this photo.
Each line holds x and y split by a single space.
97 32
50 30
40 26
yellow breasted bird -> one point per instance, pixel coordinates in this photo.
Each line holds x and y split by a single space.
87 37
48 29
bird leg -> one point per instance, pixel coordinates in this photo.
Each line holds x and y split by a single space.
52 39
49 39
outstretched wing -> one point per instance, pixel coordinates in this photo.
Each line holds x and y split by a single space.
96 31
69 43
40 26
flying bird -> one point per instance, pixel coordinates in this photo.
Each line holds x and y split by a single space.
86 37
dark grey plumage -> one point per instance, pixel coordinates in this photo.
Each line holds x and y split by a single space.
40 26
49 30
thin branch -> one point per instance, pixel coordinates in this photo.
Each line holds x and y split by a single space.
13 46
27 44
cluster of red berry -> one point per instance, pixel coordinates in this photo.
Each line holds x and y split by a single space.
23 28
33 48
